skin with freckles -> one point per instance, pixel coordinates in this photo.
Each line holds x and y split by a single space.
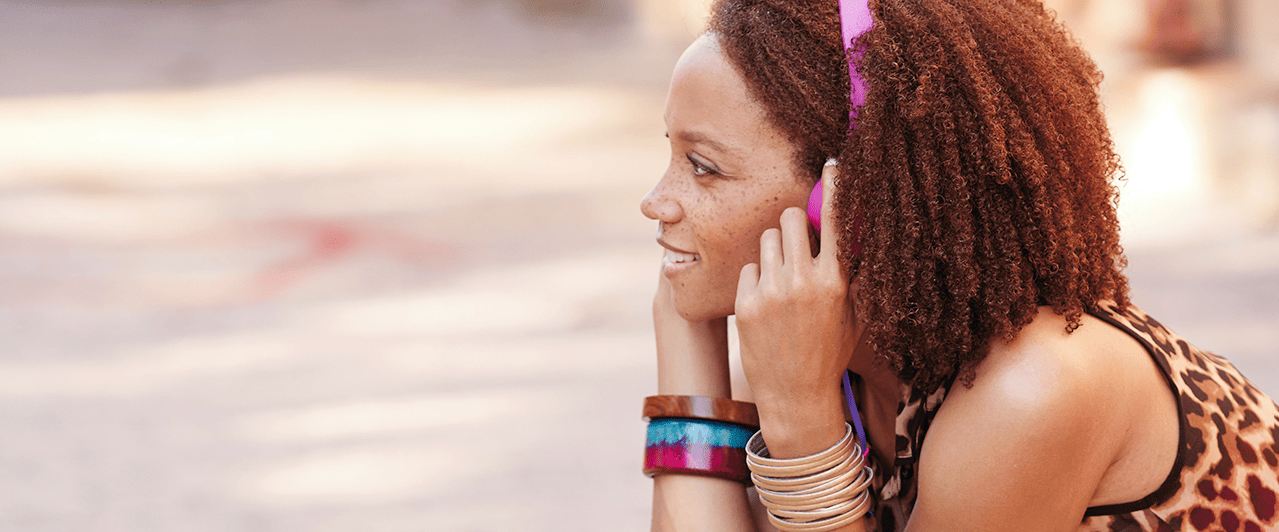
730 177
730 213
1085 419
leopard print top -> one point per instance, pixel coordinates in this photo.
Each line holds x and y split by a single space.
1226 474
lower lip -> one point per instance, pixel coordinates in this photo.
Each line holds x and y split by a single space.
671 268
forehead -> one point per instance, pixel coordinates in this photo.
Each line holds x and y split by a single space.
708 96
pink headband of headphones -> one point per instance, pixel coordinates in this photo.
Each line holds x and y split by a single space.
854 21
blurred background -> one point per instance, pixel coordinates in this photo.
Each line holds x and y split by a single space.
378 265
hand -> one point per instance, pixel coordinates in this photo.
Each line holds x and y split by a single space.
796 323
692 357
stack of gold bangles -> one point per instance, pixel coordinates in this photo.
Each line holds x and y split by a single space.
815 493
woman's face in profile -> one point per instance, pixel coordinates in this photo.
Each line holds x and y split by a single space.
731 175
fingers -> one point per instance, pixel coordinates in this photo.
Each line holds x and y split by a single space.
829 236
770 250
747 281
789 248
795 238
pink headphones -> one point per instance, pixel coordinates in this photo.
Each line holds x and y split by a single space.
815 213
854 21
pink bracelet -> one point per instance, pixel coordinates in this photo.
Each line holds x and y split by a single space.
697 447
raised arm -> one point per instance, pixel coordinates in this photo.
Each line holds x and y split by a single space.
798 330
692 359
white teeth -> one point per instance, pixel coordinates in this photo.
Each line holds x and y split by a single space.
677 257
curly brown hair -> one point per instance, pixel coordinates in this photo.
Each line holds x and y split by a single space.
980 165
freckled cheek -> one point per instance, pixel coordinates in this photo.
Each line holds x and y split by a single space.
730 236
741 254
741 247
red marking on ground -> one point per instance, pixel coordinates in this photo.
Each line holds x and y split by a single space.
329 242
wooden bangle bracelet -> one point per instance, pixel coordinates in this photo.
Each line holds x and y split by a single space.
699 407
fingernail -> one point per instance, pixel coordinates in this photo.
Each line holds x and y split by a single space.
831 162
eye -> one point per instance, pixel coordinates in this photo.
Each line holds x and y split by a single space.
701 169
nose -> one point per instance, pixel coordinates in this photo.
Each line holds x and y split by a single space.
660 203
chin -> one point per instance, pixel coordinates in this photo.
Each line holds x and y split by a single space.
699 311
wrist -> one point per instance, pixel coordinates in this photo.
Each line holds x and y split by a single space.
798 427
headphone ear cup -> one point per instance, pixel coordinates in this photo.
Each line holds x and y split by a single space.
815 217
815 207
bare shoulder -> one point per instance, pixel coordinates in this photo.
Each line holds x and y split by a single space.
1047 417
1048 379
1057 377
1048 370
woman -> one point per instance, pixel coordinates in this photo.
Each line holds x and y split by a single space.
967 273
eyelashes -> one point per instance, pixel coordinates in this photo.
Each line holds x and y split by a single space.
701 169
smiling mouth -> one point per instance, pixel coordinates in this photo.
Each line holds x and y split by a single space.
675 257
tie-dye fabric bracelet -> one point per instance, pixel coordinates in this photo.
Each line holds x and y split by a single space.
697 447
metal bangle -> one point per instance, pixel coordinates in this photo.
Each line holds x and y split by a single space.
792 484
862 505
846 478
757 450
837 492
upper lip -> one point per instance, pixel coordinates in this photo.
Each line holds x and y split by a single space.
673 248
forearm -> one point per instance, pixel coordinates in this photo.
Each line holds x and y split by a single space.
692 359
795 427
686 502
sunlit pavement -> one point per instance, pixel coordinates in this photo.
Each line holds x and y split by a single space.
288 266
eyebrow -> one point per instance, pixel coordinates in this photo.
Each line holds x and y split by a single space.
700 138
